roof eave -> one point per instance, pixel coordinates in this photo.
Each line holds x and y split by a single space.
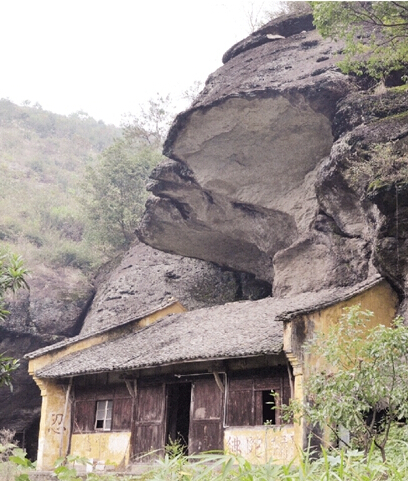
74 340
166 364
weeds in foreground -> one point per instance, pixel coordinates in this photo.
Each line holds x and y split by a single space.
337 465
13 461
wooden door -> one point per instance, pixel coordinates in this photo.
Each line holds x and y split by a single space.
149 427
206 415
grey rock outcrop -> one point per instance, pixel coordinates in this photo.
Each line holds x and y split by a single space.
263 168
239 187
147 278
368 166
53 308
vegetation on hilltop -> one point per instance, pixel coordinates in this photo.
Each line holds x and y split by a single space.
256 18
72 188
42 159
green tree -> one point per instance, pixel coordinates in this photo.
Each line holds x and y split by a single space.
375 34
12 277
115 192
151 124
115 188
362 387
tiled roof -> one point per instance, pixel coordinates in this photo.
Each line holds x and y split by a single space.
106 328
234 330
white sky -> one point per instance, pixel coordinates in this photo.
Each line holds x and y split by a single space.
107 57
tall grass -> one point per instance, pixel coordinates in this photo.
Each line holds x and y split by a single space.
338 465
331 465
334 465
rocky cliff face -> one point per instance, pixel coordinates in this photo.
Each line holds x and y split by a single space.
240 185
269 168
147 278
53 308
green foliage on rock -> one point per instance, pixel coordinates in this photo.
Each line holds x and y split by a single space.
375 34
7 366
12 277
382 165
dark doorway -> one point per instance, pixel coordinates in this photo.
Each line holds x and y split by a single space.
268 407
178 409
28 439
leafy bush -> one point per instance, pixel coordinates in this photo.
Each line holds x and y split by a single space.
374 34
362 384
14 464
114 191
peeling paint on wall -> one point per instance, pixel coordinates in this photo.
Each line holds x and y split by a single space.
262 444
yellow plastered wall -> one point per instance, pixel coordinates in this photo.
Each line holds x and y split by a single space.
380 299
51 444
110 448
53 439
261 444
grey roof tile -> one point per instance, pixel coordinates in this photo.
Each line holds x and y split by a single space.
233 330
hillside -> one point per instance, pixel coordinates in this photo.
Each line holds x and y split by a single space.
43 157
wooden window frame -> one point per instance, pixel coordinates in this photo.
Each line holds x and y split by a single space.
85 409
106 417
248 392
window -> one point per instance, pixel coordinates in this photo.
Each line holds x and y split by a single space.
103 418
102 408
255 400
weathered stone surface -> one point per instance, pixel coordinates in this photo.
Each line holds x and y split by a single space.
275 29
239 187
361 189
54 305
321 261
256 182
148 278
52 309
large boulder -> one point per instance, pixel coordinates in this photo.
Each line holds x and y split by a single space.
239 185
269 170
147 279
